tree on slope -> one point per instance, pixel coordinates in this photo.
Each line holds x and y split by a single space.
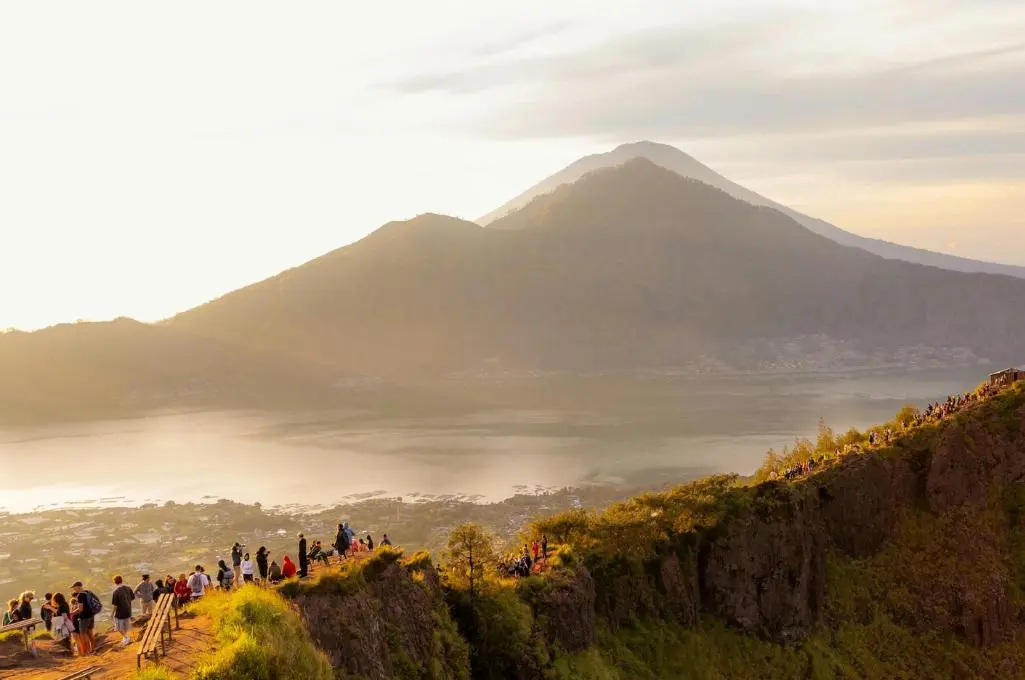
471 553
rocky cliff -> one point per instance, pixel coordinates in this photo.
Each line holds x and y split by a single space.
905 561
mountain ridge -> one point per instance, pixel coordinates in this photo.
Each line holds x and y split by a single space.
685 165
632 268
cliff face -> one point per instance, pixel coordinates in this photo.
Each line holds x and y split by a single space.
905 561
384 619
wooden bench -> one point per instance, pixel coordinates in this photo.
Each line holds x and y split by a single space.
159 624
23 626
84 673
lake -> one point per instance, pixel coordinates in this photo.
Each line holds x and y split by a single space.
505 438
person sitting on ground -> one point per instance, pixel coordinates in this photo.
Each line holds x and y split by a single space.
144 591
225 575
274 573
261 562
11 615
370 542
46 611
122 601
159 589
288 569
181 590
362 545
247 569
385 540
318 553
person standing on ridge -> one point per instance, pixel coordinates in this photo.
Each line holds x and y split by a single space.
341 541
304 559
46 612
144 591
236 561
197 584
261 563
122 601
84 617
247 569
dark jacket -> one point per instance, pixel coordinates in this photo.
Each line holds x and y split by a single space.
261 563
302 551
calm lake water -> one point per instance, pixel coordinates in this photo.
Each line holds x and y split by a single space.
563 434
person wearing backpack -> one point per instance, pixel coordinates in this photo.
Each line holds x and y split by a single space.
225 575
88 606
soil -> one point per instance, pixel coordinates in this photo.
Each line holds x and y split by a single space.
190 644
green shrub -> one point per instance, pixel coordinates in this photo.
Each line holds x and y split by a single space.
259 637
154 673
418 561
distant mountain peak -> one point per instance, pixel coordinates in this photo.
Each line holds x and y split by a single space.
677 161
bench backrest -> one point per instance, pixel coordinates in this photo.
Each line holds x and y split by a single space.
20 625
161 614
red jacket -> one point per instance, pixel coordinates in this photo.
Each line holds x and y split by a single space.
288 568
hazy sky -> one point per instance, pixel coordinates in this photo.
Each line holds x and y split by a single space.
154 155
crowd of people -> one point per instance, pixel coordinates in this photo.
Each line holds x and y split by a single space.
72 620
933 413
530 560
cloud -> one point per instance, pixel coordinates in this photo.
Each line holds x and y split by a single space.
675 100
912 80
518 40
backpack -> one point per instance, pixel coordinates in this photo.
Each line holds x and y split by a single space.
95 606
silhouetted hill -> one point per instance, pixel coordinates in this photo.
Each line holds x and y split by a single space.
631 267
673 159
96 370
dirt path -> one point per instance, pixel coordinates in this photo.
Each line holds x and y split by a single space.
190 644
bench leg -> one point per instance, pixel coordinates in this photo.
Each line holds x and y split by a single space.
169 637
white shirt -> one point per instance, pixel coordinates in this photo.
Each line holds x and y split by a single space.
247 567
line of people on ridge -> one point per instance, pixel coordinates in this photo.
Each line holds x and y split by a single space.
933 413
72 620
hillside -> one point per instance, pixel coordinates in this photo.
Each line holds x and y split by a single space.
673 159
901 560
632 267
98 370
